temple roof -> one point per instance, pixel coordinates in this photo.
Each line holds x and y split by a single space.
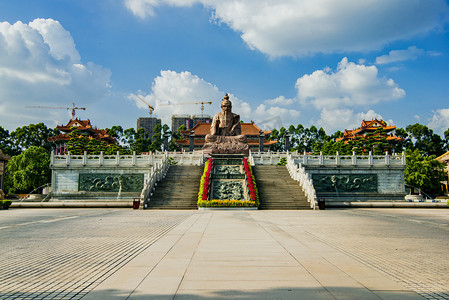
79 124
369 127
248 129
443 158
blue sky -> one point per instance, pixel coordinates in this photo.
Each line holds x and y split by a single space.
329 63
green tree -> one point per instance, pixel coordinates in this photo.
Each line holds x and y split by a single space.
6 144
117 132
172 146
137 141
79 143
157 140
423 172
28 170
33 135
425 140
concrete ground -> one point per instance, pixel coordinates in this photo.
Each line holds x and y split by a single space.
135 254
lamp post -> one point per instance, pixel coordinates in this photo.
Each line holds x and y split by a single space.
261 137
287 141
192 140
166 136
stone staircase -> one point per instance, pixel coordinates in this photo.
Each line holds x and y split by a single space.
277 190
179 189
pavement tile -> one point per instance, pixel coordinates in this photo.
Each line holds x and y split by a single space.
398 295
249 284
246 273
157 286
293 294
332 254
170 267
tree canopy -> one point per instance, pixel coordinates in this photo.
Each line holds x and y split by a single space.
33 135
28 170
423 172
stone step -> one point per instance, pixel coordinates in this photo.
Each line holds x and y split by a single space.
277 190
179 189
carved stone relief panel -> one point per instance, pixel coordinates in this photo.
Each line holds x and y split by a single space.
111 182
358 183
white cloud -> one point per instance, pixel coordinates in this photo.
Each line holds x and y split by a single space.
140 8
40 66
440 120
181 89
351 85
281 100
411 53
177 89
303 27
340 119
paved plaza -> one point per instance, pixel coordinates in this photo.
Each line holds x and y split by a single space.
157 254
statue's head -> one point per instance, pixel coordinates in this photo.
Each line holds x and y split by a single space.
226 104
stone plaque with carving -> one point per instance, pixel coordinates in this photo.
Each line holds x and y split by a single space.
228 190
111 182
344 183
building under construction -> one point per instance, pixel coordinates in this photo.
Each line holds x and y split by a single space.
188 121
148 124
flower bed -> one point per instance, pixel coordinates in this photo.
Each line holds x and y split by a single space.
253 192
205 185
226 203
205 181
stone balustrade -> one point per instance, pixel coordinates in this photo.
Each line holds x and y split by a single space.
272 158
298 172
123 161
156 174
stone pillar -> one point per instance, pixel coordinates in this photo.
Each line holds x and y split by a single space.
261 137
166 136
287 142
192 140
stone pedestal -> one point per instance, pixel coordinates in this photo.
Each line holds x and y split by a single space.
226 145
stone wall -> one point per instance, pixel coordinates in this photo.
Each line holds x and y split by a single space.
109 177
344 183
66 183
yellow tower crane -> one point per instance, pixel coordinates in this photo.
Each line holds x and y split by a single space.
190 103
151 108
73 108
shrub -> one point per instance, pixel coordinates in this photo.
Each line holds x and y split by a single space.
5 204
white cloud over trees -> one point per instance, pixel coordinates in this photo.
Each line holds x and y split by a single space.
440 120
40 65
335 98
340 119
304 27
350 85
179 88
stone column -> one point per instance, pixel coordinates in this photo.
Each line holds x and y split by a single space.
192 140
287 141
166 136
261 137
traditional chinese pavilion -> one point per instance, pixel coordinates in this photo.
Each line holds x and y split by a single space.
368 128
250 130
85 128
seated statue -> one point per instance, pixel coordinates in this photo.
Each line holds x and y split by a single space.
225 132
